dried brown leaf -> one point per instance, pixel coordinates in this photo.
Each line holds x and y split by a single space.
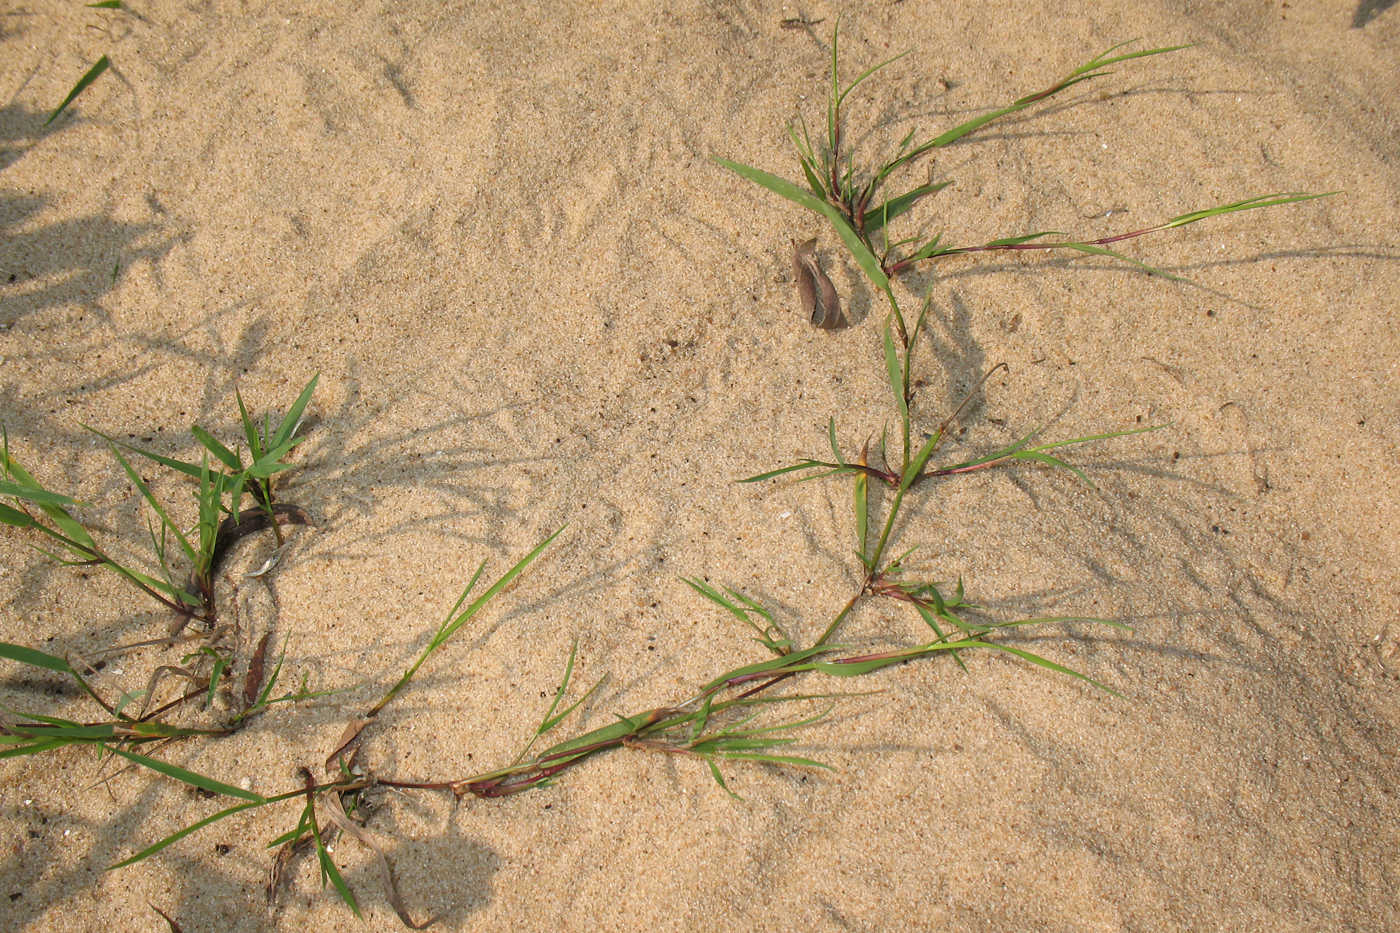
252 682
820 302
336 811
347 739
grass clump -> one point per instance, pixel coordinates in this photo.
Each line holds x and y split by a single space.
748 714
851 197
221 521
219 497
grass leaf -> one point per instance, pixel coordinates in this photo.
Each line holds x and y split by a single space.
155 505
36 658
453 623
862 509
188 777
36 494
784 188
188 830
92 75
292 420
1090 69
802 465
225 456
878 217
895 374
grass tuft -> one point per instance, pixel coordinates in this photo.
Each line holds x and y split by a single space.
852 197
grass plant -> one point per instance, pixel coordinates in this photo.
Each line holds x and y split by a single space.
748 714
851 197
218 495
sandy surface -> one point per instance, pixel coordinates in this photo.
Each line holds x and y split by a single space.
534 300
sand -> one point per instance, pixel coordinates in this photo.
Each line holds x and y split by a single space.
533 300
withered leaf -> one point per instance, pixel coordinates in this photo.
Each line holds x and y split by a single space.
252 683
819 299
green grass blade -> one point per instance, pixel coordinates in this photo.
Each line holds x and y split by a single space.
793 661
270 461
786 189
211 486
225 456
186 776
292 420
1248 204
895 373
1049 620
878 217
74 535
291 836
147 582
1094 249
189 469
856 667
36 495
714 596
1106 436
1050 665
92 75
862 509
155 505
916 465
546 724
702 718
1103 61
215 675
1021 446
807 160
719 779
770 636
550 719
33 748
813 179
1024 238
452 624
865 74
72 532
831 436
929 250
66 731
250 427
48 662
330 872
786 760
36 658
1048 460
931 620
1090 69
16 518
802 465
188 830
447 630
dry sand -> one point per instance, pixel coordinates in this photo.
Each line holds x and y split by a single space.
496 232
